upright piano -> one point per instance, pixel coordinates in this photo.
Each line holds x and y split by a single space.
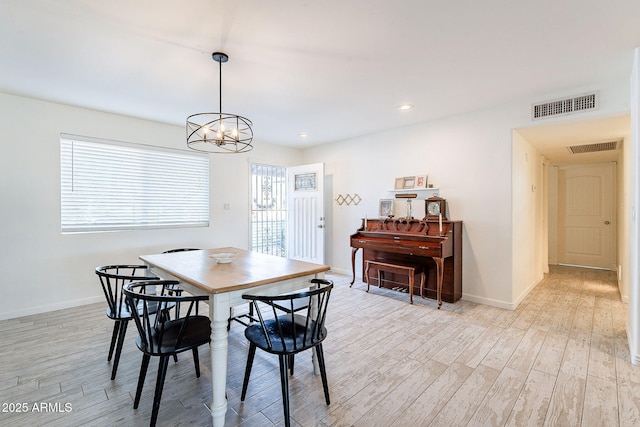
438 248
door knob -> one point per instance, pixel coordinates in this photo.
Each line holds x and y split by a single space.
607 223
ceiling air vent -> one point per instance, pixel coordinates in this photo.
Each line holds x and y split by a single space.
594 148
560 107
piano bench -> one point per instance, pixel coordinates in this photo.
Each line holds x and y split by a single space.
396 267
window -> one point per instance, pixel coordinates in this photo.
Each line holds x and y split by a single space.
268 209
107 185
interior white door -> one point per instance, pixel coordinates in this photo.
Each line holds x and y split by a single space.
586 217
305 212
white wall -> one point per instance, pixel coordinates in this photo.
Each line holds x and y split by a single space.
469 157
623 219
42 269
633 321
528 232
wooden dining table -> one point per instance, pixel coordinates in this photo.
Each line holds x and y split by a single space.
225 283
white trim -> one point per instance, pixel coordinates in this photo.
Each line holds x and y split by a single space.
52 307
488 301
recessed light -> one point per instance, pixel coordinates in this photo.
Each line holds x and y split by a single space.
304 135
405 107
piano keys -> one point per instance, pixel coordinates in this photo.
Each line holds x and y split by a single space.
414 241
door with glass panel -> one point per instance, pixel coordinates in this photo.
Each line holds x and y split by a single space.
306 219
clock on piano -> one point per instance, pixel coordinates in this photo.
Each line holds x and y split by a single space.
435 206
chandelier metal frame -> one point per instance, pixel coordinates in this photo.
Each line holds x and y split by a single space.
219 132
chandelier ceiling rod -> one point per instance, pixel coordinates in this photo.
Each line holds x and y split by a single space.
220 57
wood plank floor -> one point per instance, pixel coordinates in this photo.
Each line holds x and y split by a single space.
559 359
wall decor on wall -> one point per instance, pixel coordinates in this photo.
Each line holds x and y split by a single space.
348 199
410 182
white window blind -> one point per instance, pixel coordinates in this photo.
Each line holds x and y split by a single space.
108 185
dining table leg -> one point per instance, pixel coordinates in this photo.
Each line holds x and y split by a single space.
219 313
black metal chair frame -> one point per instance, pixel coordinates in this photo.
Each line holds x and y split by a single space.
244 319
177 289
287 333
161 336
170 251
112 279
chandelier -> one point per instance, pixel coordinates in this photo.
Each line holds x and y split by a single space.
219 132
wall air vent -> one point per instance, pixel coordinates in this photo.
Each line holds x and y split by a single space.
594 148
559 107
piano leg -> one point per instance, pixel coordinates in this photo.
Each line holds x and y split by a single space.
353 265
366 276
439 278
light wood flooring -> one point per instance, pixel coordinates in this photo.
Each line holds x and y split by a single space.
561 358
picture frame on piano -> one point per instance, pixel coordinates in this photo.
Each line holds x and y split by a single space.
399 184
386 208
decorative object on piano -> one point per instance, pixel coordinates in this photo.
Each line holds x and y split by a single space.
436 207
348 199
386 208
409 214
409 197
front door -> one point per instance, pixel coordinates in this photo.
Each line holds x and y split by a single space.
305 207
586 216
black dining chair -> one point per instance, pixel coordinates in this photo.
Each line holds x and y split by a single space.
161 336
243 318
170 251
289 324
112 279
177 290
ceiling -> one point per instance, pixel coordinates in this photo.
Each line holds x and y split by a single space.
334 69
554 140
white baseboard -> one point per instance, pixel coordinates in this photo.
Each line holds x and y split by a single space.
341 271
52 307
488 301
466 297
635 358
